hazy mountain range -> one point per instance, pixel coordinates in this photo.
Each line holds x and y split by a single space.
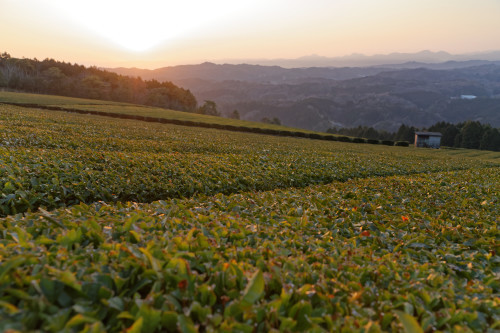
361 60
384 96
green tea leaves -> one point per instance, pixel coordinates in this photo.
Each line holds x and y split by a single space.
254 288
409 323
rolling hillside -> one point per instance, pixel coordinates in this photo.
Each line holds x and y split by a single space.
320 98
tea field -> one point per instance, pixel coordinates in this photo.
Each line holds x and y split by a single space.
112 225
52 159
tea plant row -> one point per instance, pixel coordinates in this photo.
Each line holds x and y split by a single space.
419 252
51 159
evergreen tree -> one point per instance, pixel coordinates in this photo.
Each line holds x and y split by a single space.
405 133
209 108
490 140
472 133
457 142
234 115
449 135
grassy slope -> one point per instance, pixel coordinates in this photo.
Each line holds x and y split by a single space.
129 109
24 98
410 230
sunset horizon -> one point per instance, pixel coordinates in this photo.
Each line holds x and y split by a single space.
261 61
155 34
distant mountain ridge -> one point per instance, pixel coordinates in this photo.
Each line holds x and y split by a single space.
244 72
361 60
276 74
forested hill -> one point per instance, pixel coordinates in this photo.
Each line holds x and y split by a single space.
54 77
322 98
248 73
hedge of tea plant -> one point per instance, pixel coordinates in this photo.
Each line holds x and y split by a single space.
404 253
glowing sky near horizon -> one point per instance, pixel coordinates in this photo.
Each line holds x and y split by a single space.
153 34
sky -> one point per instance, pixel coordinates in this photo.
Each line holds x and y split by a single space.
153 34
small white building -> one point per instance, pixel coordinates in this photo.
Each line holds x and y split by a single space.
428 139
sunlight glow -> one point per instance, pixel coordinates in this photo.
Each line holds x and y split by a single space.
142 25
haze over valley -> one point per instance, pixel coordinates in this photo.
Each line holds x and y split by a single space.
317 98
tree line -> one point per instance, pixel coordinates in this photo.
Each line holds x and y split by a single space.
60 78
468 134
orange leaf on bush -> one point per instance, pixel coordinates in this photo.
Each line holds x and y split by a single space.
182 284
